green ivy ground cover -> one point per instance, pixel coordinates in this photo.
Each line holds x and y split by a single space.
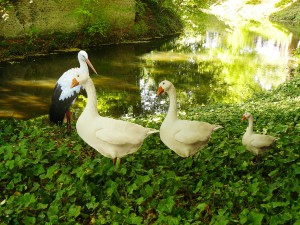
48 177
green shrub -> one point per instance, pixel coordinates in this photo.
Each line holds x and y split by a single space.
48 177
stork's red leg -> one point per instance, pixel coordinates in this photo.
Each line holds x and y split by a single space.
68 116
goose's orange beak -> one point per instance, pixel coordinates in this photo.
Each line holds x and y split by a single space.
159 91
74 83
244 118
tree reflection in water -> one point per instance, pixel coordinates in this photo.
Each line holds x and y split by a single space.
208 63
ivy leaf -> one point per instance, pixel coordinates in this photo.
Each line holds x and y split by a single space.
74 211
38 169
134 219
27 199
113 186
141 180
255 218
147 191
166 205
140 200
132 188
52 213
244 216
42 206
202 207
29 220
198 187
10 164
50 172
279 204
273 173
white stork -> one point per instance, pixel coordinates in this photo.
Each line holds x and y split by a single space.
63 95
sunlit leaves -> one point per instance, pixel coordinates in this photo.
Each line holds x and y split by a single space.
48 177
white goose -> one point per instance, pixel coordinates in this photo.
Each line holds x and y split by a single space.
257 144
184 137
110 137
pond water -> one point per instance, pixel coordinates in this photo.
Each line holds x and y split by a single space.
207 63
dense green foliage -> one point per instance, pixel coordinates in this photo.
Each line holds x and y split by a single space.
48 177
153 19
283 3
288 14
5 6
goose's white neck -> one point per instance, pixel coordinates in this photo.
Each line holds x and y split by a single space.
172 112
250 126
91 106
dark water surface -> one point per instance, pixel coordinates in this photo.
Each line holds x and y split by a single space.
208 64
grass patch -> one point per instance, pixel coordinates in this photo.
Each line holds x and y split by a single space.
50 177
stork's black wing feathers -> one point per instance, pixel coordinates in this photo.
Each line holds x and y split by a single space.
58 107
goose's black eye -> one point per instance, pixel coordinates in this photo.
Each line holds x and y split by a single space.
163 83
77 75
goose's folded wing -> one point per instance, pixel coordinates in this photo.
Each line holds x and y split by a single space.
192 133
261 141
116 137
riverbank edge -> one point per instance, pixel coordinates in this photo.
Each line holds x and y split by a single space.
4 57
290 14
154 26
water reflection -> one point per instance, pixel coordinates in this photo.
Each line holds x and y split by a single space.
212 65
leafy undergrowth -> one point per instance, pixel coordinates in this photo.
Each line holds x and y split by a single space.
48 177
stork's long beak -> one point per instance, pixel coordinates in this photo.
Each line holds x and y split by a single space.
159 91
91 65
74 83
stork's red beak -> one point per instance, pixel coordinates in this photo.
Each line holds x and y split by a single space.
160 91
91 65
74 83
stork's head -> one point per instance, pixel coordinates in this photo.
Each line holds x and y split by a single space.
246 116
164 86
83 57
80 78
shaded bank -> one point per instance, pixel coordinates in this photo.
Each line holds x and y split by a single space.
289 14
86 24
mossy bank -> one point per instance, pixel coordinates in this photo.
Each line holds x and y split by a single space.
288 14
42 27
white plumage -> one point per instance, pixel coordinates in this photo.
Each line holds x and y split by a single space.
65 82
184 137
110 137
257 144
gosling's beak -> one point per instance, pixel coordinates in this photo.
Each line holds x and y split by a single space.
159 91
91 65
74 83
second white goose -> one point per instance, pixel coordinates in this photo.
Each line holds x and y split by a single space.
184 137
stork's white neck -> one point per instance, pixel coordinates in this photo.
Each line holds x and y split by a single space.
83 67
91 105
172 112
